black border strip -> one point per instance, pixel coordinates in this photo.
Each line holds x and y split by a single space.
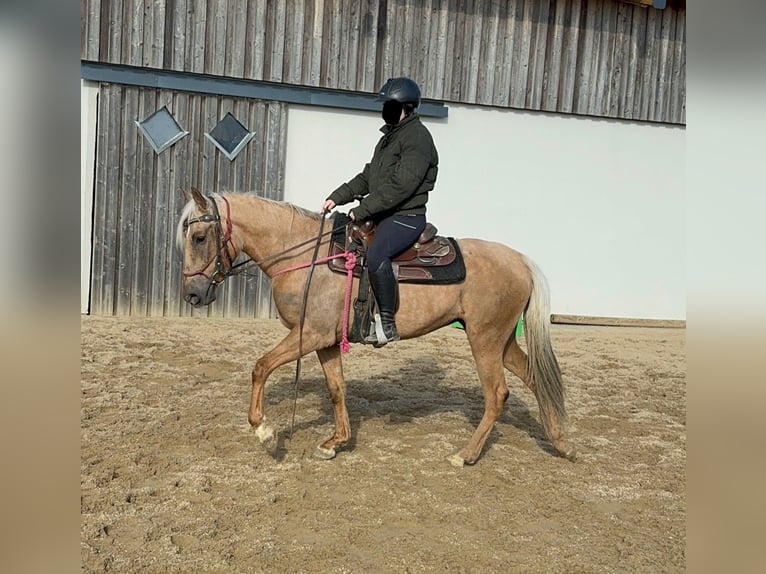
241 88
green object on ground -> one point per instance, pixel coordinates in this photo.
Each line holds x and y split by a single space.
519 326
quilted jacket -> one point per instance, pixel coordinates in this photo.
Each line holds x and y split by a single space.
399 176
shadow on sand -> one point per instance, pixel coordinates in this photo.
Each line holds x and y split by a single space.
420 389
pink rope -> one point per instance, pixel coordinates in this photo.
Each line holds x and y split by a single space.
345 346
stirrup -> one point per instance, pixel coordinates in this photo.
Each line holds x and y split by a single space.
379 338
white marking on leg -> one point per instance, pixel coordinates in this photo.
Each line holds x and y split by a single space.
264 432
324 453
456 460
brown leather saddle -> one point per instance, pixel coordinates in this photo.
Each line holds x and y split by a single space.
432 259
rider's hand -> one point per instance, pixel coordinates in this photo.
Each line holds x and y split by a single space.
328 206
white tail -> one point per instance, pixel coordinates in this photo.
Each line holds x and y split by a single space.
544 371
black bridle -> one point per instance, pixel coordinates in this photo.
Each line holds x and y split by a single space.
222 258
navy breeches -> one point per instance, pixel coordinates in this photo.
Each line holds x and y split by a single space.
394 235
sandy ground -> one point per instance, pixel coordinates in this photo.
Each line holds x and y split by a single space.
174 479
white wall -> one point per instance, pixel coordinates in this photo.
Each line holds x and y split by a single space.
598 204
88 112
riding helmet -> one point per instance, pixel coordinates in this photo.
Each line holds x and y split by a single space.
402 90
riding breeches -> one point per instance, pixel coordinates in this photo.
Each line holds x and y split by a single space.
394 235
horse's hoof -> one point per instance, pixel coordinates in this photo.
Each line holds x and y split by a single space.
264 433
570 454
565 450
456 460
324 453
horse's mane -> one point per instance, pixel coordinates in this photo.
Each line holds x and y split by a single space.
191 205
284 204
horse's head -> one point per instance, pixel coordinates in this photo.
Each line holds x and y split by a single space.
204 239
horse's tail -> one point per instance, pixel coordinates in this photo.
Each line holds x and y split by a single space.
542 366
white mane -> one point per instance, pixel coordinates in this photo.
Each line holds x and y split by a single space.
191 206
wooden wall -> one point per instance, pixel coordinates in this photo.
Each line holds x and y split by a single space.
604 58
136 267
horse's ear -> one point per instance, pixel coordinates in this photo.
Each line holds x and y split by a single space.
186 194
199 199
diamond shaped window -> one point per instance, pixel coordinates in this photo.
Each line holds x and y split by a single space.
230 136
161 129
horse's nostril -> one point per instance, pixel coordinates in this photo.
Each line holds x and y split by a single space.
192 299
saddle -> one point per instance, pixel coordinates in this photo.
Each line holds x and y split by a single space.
431 259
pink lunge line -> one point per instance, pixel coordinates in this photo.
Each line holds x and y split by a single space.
345 346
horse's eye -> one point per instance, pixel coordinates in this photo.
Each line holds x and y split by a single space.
199 239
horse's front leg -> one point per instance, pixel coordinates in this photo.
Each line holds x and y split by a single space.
332 366
283 353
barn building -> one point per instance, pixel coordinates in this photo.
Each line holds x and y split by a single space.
560 126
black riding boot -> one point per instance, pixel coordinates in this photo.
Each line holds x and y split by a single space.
385 288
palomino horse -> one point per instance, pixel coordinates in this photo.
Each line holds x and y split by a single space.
499 286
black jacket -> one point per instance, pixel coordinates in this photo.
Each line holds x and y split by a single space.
399 176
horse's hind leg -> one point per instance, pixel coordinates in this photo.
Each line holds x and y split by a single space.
489 364
515 360
333 371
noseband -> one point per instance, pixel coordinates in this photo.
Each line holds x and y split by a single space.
222 239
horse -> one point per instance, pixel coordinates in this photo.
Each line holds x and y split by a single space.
500 284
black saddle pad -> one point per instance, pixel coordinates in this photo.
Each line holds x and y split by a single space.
407 272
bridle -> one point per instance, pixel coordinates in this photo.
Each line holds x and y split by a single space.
224 238
222 258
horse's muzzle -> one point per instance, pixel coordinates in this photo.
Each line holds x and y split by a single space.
199 297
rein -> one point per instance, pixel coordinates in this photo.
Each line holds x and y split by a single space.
302 319
345 346
276 256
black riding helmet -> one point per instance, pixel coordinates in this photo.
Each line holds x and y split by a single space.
402 90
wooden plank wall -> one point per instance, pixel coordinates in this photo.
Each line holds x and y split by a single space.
605 58
136 266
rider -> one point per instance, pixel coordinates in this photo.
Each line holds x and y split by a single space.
392 190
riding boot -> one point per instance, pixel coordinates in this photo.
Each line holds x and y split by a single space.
385 289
